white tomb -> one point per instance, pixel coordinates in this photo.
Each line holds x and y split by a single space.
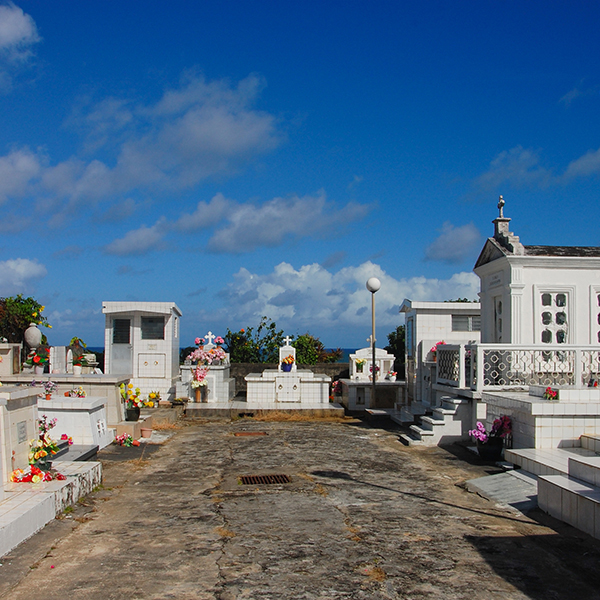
142 340
219 383
361 363
275 388
83 419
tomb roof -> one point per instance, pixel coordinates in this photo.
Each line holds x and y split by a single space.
577 251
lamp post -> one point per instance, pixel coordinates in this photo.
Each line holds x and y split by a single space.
373 284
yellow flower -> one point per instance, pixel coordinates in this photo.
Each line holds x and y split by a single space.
130 386
34 314
41 309
36 479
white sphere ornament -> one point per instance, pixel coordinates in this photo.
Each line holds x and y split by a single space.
373 284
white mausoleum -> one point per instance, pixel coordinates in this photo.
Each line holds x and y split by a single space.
142 339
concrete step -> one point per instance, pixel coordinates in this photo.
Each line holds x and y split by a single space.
544 461
409 440
572 501
429 423
421 433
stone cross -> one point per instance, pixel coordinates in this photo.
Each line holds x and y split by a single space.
501 204
287 339
210 337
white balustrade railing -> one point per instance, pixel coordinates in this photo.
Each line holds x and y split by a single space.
506 366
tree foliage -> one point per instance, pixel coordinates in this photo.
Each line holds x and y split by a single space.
310 351
397 347
16 314
250 345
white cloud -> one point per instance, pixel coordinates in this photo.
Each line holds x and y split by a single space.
519 167
18 33
454 244
584 166
16 274
139 241
207 214
17 170
313 298
194 132
251 226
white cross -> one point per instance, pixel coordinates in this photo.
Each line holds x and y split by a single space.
287 339
210 337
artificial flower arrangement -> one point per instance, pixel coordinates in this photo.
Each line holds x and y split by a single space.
38 358
434 348
33 474
199 377
153 399
501 427
391 374
66 438
336 388
126 440
50 387
44 445
77 392
288 360
206 357
550 394
80 361
376 369
130 396
219 340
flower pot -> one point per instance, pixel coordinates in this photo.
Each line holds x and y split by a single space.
132 414
491 450
286 368
39 369
48 396
146 432
76 369
44 465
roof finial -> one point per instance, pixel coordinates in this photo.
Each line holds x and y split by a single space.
501 207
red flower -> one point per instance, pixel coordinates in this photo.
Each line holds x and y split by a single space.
36 359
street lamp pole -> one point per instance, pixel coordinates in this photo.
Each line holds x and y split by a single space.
373 284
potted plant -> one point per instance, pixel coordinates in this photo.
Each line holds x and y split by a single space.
44 447
38 359
287 363
391 375
133 402
50 387
78 363
490 444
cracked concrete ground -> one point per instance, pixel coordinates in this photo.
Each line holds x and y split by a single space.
363 517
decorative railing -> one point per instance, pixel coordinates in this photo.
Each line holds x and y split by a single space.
506 366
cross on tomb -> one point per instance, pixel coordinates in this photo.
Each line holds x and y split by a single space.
287 339
210 337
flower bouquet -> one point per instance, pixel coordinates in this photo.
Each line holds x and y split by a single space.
38 358
77 392
434 349
489 444
44 446
287 362
130 396
550 394
126 440
49 387
391 375
360 364
153 399
33 474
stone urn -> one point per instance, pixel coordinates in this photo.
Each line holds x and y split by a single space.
33 336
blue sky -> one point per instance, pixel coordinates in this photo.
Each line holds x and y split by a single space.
266 158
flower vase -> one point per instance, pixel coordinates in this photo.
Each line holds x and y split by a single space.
490 450
39 369
198 394
33 336
48 396
286 368
132 414
76 369
43 465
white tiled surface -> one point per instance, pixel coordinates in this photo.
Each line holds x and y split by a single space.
27 507
263 388
545 461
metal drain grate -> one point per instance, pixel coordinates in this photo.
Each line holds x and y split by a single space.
249 433
264 479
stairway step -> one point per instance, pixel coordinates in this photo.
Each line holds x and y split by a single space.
419 431
433 422
409 440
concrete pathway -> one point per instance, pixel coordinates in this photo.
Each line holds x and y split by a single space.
363 517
